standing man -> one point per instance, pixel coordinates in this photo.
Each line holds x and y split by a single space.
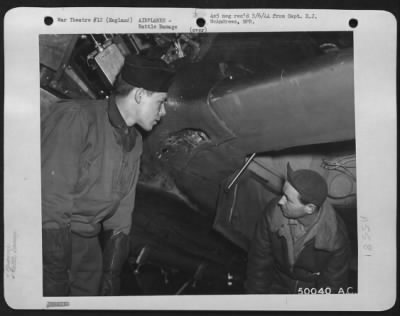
300 245
90 166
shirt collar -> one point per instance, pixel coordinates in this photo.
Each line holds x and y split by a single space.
324 229
114 115
125 135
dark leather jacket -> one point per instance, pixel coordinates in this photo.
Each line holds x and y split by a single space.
322 265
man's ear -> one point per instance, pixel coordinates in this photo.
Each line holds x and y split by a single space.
138 95
310 208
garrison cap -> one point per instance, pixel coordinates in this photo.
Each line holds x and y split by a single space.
310 184
150 74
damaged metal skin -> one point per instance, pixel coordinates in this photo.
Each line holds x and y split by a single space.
185 140
283 109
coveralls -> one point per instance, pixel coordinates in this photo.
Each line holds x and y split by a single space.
90 168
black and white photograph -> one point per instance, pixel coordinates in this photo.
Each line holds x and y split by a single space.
198 164
201 164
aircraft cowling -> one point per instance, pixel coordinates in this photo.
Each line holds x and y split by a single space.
312 103
309 105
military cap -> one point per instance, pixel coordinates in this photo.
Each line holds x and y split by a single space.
147 73
310 184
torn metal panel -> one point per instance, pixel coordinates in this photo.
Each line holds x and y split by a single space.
182 142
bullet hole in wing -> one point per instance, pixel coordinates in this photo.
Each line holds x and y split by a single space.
183 141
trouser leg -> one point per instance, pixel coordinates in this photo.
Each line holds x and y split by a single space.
87 266
116 250
56 244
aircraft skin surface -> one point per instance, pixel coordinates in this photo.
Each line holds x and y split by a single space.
271 113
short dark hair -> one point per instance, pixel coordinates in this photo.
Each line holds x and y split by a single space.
305 202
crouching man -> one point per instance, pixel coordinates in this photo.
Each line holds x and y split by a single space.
300 244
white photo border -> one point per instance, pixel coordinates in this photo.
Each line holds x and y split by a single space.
375 106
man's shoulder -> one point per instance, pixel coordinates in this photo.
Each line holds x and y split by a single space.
73 113
342 234
332 233
333 219
82 107
82 104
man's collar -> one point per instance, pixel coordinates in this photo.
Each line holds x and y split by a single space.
126 135
309 220
114 115
324 230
